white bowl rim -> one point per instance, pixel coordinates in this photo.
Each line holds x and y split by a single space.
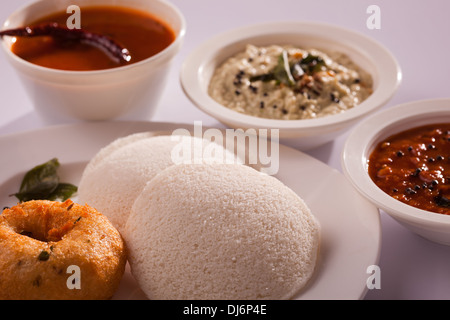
389 72
179 37
363 137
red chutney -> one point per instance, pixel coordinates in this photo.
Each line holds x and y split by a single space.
144 35
414 167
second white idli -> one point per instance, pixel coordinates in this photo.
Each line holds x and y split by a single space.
220 232
118 173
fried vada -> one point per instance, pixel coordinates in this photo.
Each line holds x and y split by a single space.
58 250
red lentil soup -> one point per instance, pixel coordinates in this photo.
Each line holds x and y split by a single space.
413 166
142 34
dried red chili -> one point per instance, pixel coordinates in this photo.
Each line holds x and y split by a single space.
111 47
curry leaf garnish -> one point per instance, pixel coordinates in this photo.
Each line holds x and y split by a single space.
39 181
63 192
312 63
266 77
282 71
42 183
287 73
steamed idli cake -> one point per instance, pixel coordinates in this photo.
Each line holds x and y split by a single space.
118 173
220 231
113 146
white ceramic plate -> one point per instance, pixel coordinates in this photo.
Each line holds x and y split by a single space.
351 231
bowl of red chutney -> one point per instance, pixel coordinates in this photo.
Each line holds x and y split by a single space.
93 60
399 159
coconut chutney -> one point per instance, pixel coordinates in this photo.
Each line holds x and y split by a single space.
285 82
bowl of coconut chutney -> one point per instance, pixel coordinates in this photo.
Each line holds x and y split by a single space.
308 82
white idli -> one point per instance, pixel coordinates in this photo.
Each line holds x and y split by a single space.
113 146
115 177
220 232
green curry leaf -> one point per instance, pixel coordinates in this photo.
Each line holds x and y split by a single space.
63 192
312 63
42 183
282 71
287 73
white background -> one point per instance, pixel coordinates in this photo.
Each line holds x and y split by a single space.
416 32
